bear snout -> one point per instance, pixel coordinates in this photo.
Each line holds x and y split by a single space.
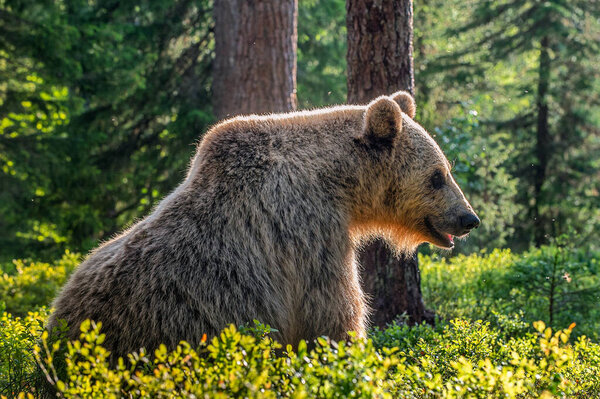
468 222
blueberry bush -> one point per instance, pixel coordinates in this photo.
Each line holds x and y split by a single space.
495 337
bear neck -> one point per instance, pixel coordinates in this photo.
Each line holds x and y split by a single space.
286 188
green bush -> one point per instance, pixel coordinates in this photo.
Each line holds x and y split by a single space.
18 337
460 359
502 356
556 284
26 286
464 286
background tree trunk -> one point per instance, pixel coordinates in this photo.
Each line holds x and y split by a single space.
255 56
380 62
542 144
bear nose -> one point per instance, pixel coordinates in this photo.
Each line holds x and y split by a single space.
469 221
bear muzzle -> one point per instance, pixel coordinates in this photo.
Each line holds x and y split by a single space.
464 224
469 222
444 236
437 236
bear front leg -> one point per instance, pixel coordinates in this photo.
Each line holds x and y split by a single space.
325 314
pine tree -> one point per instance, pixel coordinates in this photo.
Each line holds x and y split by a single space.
555 128
99 104
255 56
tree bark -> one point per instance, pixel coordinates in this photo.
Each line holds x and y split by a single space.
380 52
380 61
255 56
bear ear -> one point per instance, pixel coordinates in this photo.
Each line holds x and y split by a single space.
383 121
406 103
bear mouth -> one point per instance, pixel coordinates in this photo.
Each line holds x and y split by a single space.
442 240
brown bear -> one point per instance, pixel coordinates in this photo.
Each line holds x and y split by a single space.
265 227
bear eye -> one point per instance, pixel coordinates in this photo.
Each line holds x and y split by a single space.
437 180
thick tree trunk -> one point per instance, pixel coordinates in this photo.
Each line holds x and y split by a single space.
255 56
542 140
380 58
380 62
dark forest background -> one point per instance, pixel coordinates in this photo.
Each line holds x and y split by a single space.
101 104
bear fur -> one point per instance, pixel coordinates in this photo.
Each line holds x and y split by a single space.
265 227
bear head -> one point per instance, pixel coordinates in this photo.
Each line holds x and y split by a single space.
413 197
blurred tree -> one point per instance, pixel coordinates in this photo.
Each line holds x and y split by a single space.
558 285
554 110
437 92
321 53
255 56
98 106
100 101
380 62
479 167
457 99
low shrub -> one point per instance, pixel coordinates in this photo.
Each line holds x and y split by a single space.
27 286
18 337
459 359
557 284
465 286
507 355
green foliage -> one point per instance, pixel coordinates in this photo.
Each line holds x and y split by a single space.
532 66
454 360
464 286
556 284
99 107
341 370
321 53
18 337
231 365
26 286
480 169
500 357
